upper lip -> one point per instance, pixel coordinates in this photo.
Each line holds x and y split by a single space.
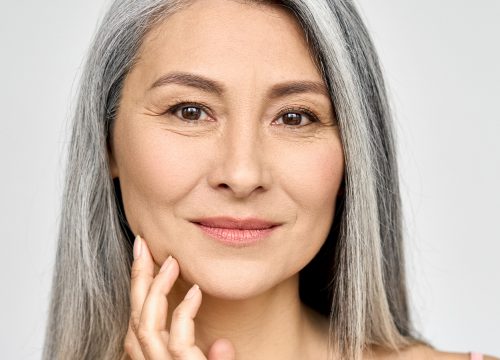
226 222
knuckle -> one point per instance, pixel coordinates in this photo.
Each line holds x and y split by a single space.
143 336
134 321
135 272
179 315
176 349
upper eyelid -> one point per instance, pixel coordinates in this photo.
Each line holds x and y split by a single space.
180 105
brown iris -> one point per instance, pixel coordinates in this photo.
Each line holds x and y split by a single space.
191 113
293 117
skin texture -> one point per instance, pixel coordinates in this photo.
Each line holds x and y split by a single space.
240 158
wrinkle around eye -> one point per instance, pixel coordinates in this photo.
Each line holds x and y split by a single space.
186 130
311 133
192 134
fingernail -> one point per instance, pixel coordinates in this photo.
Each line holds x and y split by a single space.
191 292
137 247
166 264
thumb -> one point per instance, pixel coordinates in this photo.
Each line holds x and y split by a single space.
222 349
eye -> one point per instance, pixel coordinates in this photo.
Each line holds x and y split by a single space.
294 117
190 112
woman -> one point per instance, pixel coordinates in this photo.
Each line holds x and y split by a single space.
239 152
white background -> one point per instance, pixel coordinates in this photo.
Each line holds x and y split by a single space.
442 61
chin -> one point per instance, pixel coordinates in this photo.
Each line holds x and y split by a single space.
229 283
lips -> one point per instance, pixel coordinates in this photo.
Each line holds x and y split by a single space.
236 232
226 222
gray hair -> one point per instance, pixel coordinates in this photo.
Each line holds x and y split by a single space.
357 279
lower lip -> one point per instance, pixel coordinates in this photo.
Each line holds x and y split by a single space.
236 237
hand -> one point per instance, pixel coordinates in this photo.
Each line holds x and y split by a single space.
147 336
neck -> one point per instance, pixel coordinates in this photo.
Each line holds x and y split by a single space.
272 325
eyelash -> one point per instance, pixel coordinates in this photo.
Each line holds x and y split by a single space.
303 110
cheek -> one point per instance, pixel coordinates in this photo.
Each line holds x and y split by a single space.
157 170
312 176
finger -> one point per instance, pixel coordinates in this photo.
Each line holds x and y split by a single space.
222 349
152 331
142 274
181 342
132 346
155 307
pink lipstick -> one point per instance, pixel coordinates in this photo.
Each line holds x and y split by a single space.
236 232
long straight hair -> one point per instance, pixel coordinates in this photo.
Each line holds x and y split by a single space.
357 279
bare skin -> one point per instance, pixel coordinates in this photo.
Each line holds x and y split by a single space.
240 157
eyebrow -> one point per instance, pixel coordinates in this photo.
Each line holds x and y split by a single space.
191 80
215 87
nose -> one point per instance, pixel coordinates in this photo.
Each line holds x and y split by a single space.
241 167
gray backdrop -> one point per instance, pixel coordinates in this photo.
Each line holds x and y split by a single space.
442 62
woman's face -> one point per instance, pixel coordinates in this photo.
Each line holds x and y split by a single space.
249 152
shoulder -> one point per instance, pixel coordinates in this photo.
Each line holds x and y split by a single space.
418 352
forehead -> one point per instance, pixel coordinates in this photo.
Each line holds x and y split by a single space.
229 40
